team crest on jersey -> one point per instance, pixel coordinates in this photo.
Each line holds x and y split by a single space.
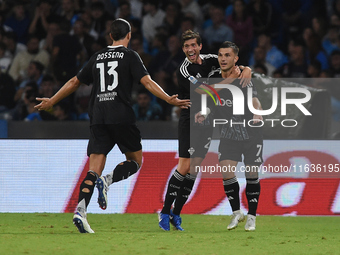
191 151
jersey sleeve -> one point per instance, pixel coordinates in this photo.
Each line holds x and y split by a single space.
137 67
85 74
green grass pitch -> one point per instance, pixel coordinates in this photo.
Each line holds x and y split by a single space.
44 233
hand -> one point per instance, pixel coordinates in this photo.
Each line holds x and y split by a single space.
199 118
245 77
45 104
184 104
257 118
235 72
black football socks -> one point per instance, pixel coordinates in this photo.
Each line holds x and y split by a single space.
232 190
172 192
86 191
253 189
122 171
184 192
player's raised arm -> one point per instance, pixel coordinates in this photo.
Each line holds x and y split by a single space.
155 89
234 74
69 87
245 75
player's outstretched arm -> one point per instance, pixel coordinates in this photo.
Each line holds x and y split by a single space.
68 88
236 73
202 89
155 89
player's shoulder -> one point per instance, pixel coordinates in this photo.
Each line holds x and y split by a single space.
215 73
130 51
209 57
133 54
183 68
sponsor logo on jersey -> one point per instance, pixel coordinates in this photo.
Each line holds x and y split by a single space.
191 151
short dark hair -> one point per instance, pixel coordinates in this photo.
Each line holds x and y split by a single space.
38 65
188 35
119 29
228 44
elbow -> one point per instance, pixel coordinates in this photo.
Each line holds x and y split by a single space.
74 82
148 85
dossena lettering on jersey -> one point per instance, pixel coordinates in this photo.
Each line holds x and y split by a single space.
110 54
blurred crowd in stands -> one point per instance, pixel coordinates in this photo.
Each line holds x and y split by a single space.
44 43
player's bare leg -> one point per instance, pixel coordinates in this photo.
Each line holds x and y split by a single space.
232 190
97 163
253 189
122 171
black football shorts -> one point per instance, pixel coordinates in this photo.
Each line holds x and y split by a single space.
193 141
250 149
104 137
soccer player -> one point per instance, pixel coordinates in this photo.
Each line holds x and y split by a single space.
190 155
237 138
112 72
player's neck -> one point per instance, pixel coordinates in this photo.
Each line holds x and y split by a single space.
226 74
120 42
198 61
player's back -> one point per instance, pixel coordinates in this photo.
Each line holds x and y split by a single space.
112 71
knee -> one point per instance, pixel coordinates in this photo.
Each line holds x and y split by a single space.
183 166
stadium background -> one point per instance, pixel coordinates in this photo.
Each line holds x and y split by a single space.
42 175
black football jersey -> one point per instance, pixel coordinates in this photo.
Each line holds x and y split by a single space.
112 71
188 70
231 130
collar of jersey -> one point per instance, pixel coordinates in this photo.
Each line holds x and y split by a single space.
110 46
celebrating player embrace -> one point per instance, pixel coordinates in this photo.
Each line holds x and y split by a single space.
191 151
112 71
